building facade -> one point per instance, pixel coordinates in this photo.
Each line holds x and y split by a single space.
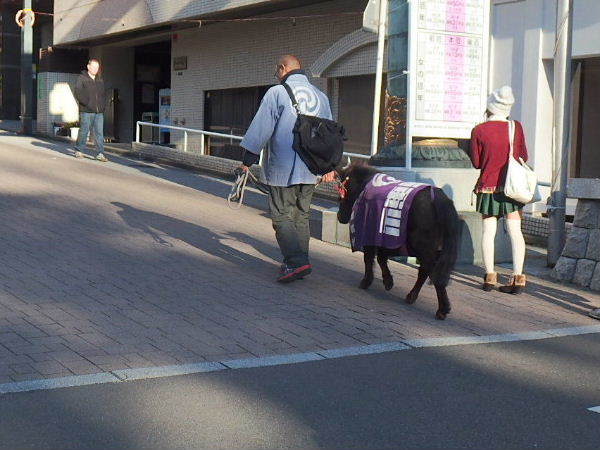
218 58
10 54
522 56
10 63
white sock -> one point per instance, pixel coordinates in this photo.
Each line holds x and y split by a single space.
490 224
517 243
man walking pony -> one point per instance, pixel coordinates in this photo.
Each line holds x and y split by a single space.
291 184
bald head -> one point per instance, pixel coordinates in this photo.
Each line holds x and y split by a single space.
290 61
286 64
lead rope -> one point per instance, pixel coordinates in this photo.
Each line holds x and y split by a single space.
235 199
236 195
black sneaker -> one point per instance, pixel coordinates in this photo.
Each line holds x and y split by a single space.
289 274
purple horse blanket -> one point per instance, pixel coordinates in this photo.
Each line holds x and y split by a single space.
380 214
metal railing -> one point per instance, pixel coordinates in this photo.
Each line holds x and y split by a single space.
233 137
203 133
356 155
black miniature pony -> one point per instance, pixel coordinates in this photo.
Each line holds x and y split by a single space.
433 236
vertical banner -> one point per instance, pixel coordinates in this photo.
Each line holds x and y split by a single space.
448 66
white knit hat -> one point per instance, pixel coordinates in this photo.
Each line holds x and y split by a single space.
500 101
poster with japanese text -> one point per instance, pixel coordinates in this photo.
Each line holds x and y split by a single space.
449 66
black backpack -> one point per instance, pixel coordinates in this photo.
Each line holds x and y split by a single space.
318 142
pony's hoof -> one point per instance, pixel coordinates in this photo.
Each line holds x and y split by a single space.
441 315
365 283
411 298
388 283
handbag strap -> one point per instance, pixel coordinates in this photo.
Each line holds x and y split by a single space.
292 97
511 137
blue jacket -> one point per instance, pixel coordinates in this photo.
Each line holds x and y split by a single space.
275 121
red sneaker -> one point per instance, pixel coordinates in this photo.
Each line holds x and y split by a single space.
289 274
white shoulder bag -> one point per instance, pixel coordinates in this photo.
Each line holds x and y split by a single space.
521 181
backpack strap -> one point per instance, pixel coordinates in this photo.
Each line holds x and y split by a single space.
292 97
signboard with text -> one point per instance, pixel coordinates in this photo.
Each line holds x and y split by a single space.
448 66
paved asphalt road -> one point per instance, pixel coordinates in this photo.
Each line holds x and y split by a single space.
532 394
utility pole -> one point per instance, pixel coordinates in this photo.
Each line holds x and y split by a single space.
27 71
381 32
562 128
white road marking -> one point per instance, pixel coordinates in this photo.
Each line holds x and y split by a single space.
57 383
124 375
595 409
277 360
165 371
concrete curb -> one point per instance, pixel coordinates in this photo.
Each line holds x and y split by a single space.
119 376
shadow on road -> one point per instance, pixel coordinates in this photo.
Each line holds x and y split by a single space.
158 225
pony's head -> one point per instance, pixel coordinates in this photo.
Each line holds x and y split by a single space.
352 181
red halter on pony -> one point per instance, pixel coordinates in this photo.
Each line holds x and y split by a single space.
342 188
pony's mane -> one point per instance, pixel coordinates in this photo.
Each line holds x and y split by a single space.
362 171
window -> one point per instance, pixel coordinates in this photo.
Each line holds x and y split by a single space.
356 96
230 111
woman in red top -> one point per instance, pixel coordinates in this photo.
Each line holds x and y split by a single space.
490 148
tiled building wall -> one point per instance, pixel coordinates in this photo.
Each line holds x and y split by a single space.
238 54
360 62
244 54
55 100
76 20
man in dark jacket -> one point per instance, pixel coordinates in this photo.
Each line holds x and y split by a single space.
91 97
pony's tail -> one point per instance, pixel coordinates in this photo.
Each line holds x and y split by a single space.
448 217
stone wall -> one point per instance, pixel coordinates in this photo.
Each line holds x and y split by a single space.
332 231
214 164
580 259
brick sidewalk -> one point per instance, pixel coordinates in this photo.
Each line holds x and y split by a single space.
108 267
